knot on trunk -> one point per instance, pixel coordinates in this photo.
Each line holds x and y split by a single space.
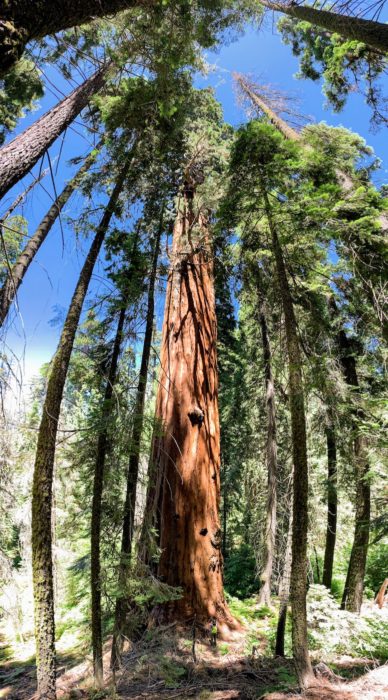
196 416
216 539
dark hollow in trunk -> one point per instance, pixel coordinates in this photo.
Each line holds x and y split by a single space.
44 464
15 277
20 155
331 529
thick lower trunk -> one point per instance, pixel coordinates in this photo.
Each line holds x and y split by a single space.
187 454
331 529
20 155
299 451
133 467
44 463
374 34
284 593
271 449
98 485
15 277
23 20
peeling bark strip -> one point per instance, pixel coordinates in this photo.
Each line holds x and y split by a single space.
187 454
44 464
20 155
23 20
15 277
375 34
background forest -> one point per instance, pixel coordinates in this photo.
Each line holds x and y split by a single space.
193 326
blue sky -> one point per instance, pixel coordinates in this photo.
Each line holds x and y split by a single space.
51 279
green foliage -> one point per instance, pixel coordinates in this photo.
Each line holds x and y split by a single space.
344 65
377 565
19 91
240 572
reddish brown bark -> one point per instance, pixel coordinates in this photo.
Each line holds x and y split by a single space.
187 453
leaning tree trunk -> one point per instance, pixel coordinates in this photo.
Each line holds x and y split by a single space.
374 34
272 466
299 451
133 467
98 485
44 463
20 155
24 20
187 453
15 276
331 528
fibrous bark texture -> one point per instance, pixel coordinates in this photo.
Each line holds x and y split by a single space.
375 34
299 451
23 20
20 155
15 276
98 486
44 464
331 528
187 453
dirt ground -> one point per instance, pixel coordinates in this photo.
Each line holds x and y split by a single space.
163 664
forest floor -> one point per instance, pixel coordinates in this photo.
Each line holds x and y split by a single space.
163 664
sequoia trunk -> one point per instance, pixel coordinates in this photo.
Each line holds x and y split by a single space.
187 454
21 154
44 463
299 451
98 485
15 277
133 467
374 34
331 529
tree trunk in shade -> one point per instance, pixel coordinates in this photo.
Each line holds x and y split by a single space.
44 463
299 451
374 34
272 466
20 155
186 455
98 486
15 277
284 592
122 608
331 528
24 20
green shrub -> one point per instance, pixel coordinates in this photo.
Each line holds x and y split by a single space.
240 572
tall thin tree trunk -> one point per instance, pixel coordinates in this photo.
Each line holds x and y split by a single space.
98 485
374 34
15 276
24 20
44 462
284 591
187 454
133 467
272 465
21 154
331 528
299 451
354 586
